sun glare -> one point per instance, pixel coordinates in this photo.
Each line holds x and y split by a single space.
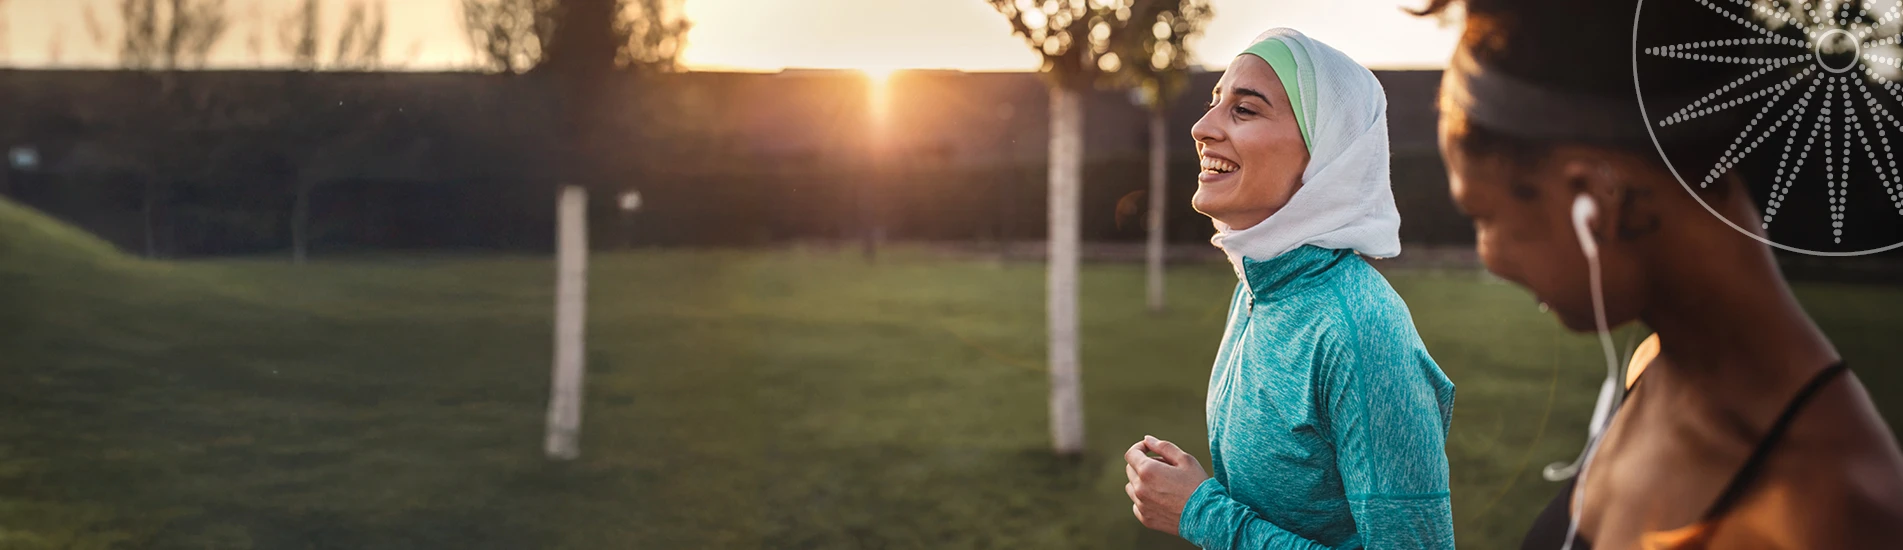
879 92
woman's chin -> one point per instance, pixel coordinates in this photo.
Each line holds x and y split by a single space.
1576 319
1213 199
1205 205
1218 207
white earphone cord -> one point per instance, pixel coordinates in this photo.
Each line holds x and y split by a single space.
1609 393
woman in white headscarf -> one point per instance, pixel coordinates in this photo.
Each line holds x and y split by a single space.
1327 418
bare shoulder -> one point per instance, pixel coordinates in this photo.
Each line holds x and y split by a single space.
1642 358
1836 480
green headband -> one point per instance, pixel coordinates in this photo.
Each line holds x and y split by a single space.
1283 61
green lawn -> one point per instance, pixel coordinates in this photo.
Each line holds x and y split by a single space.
735 400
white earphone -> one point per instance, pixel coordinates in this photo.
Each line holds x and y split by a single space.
1583 211
1610 393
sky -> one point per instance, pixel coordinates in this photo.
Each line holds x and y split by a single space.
753 35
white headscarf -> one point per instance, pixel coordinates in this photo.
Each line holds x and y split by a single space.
1345 201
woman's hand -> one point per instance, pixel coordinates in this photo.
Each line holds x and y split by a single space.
1160 487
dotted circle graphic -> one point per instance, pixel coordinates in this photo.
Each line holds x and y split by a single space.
1823 113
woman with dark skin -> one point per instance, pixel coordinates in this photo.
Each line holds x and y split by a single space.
1743 430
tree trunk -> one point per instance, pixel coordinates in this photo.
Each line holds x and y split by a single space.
868 248
867 190
585 42
563 440
1067 164
1004 186
151 229
627 230
300 224
1159 198
170 220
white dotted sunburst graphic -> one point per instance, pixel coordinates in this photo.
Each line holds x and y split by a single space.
1810 93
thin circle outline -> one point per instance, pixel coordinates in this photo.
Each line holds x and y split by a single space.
1646 118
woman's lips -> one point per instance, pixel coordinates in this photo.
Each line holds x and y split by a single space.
1215 167
1212 176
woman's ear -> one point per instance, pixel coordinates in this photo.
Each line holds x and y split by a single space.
1596 181
1624 205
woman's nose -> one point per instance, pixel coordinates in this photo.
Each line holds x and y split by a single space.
1205 129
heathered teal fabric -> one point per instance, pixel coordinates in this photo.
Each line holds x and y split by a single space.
1327 418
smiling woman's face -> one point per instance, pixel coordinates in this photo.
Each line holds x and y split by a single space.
1251 148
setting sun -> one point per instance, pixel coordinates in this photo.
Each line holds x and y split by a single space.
878 92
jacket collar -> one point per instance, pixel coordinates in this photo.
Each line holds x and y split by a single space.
1296 268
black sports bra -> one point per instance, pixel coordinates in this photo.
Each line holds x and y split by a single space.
1549 529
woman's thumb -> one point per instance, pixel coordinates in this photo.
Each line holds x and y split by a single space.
1171 453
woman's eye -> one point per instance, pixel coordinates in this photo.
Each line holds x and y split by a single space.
1244 111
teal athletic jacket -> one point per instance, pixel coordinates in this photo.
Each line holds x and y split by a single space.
1327 418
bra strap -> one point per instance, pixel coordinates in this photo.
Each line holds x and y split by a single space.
1739 481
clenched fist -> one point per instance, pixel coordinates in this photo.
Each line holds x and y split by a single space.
1160 487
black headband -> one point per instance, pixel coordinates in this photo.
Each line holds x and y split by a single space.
1512 106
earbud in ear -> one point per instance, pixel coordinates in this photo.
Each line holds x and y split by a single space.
1584 209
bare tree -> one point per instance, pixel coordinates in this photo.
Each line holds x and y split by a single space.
1075 39
298 35
360 43
1158 69
162 38
170 36
55 46
314 125
95 30
579 51
410 55
254 35
5 39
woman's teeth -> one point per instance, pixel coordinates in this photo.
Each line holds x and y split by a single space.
1211 164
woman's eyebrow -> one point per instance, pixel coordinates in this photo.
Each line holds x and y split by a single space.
1252 92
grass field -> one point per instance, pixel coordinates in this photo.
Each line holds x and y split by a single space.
735 400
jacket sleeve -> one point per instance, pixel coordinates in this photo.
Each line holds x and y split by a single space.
1214 521
1388 410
